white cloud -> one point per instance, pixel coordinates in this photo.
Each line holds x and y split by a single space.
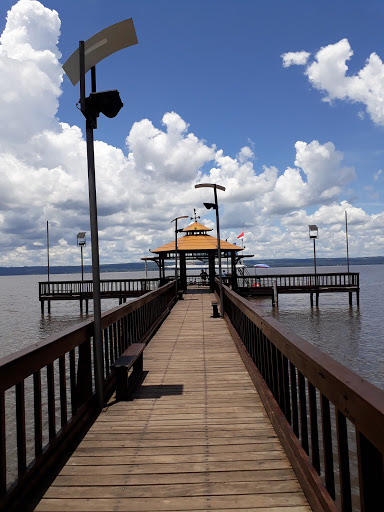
245 154
319 177
295 58
30 70
329 73
43 173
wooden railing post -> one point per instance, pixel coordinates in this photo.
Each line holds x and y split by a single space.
84 374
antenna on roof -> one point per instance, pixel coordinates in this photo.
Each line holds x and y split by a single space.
195 217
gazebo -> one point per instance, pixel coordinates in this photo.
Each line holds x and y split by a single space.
197 244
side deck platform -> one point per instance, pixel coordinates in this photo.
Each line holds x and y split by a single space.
194 437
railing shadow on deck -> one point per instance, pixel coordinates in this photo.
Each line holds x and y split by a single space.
329 420
40 417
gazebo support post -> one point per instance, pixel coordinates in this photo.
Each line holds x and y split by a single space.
162 271
233 271
183 271
211 263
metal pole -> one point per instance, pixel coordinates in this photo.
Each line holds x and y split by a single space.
176 253
314 256
97 335
219 254
346 234
82 266
48 247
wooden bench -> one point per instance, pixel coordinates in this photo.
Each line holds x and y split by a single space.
130 358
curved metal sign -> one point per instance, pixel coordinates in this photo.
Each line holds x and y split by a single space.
101 45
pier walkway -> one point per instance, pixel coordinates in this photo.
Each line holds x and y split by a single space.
195 436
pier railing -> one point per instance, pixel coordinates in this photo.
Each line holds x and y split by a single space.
301 281
108 288
47 391
330 420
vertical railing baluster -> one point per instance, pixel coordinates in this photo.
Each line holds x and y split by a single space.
303 413
38 416
72 376
280 381
51 401
106 352
370 463
286 389
344 472
327 446
314 427
20 429
63 392
268 363
295 412
84 383
264 348
112 352
115 343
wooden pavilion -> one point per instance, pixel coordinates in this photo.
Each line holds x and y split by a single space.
197 244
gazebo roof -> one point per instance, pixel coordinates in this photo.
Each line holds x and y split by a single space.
196 226
197 243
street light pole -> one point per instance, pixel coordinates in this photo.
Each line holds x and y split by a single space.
313 234
97 336
215 206
346 235
82 243
175 221
91 52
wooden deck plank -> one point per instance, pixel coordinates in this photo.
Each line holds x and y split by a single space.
194 437
176 478
279 502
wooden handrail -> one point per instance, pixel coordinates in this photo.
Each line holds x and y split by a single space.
301 382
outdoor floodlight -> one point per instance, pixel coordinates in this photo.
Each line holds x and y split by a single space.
105 102
313 231
210 205
81 242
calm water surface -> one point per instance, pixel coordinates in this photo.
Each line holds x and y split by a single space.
352 335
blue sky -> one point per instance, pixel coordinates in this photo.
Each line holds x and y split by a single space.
215 70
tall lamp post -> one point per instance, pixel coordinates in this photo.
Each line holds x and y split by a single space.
85 58
346 236
215 206
176 231
81 242
313 235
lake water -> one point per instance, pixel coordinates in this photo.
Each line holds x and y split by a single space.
352 335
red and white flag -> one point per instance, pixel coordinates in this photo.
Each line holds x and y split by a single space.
241 236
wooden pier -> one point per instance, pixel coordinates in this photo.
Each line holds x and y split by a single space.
232 414
271 285
82 291
195 436
274 285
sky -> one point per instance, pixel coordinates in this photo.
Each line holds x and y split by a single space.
282 103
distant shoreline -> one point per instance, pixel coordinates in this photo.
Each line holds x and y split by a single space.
137 267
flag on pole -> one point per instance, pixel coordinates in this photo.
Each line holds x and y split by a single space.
241 236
